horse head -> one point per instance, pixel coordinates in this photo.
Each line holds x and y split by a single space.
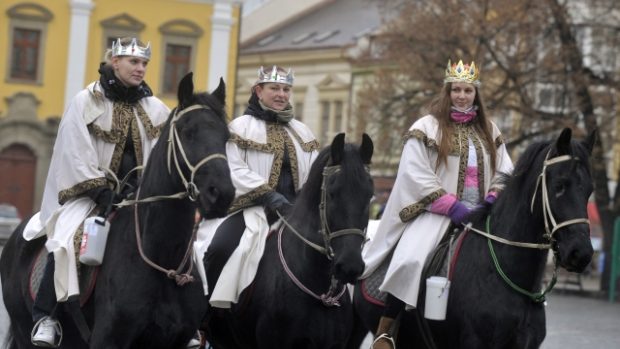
566 185
197 137
346 193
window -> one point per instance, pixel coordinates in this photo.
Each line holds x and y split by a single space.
331 119
299 111
334 92
27 33
338 116
325 106
120 26
179 47
176 66
25 54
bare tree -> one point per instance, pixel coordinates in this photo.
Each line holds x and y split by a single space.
546 64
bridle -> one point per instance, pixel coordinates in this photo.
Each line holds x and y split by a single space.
328 298
551 226
550 223
175 146
325 231
191 192
174 150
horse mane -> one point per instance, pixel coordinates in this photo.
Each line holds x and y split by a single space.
351 165
514 183
310 192
207 99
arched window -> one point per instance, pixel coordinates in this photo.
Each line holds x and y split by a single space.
180 43
27 35
120 26
17 177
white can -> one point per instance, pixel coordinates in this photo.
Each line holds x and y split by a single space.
437 289
94 240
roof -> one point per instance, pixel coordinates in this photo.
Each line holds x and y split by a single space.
336 24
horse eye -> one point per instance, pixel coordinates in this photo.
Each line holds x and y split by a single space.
560 189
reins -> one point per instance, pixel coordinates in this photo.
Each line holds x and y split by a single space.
328 298
537 297
191 192
181 278
325 231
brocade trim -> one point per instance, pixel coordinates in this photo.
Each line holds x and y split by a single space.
80 188
248 199
248 144
152 132
428 142
77 244
137 144
460 148
455 146
480 164
306 146
111 136
412 211
122 119
278 139
499 140
277 135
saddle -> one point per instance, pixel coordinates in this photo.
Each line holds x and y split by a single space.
436 264
87 275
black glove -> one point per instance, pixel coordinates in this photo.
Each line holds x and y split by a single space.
274 201
105 197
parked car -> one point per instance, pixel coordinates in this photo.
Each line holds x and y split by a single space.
9 220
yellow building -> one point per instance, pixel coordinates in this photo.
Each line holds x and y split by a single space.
52 50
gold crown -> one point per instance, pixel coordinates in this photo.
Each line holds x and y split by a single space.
462 73
132 49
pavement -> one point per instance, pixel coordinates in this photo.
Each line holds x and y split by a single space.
578 316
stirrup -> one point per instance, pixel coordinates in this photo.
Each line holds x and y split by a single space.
385 336
58 334
196 341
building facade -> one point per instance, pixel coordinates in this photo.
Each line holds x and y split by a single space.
52 50
315 42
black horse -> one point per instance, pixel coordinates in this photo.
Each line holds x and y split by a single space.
135 305
544 206
299 297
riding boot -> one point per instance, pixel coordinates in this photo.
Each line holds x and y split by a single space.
45 300
385 338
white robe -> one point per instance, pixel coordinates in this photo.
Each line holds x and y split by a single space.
406 227
76 166
251 153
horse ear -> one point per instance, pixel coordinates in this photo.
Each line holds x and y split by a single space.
366 149
220 92
337 149
563 142
589 142
186 90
